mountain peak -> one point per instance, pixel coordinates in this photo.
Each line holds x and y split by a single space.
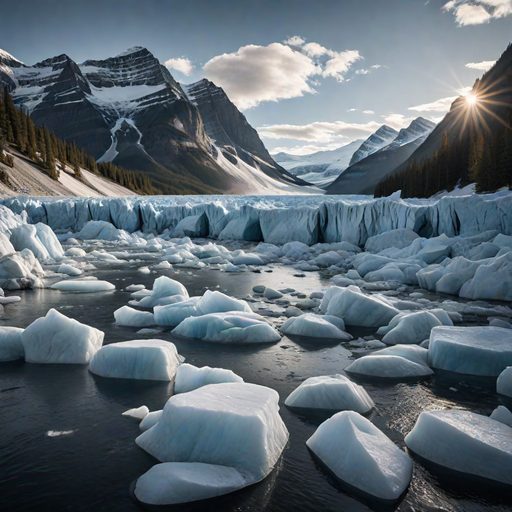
132 50
9 59
377 140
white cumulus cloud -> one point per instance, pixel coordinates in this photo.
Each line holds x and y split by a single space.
254 73
476 12
181 64
483 65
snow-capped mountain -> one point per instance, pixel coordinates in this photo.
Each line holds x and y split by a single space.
321 167
381 138
363 176
130 110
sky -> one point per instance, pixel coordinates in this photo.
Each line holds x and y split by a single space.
308 75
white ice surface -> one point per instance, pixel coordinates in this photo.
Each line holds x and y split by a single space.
55 338
465 442
190 377
359 454
130 317
316 326
137 359
330 392
83 286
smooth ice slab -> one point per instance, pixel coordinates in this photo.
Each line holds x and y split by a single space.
464 441
316 326
231 327
130 317
356 308
55 338
137 359
138 413
414 327
396 362
502 414
83 286
11 346
483 350
359 454
233 424
190 377
171 483
330 393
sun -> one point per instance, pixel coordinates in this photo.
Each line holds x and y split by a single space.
471 99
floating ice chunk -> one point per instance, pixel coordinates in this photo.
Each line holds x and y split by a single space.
396 238
502 414
138 413
464 442
210 425
70 270
149 420
504 382
11 346
101 230
144 270
137 359
130 317
359 454
83 286
491 281
500 322
396 362
9 300
230 327
330 393
39 238
162 265
316 326
75 252
247 258
20 270
165 291
135 287
356 308
483 350
210 302
172 483
55 338
189 377
413 327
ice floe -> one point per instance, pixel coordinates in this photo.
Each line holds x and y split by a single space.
190 377
316 326
137 359
83 286
55 338
360 455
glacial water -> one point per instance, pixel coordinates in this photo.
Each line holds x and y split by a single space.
64 445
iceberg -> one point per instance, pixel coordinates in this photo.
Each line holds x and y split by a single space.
413 327
360 455
316 326
83 286
130 317
137 359
149 420
356 308
465 442
483 350
11 346
504 382
330 393
230 327
165 290
39 238
139 413
55 338
172 483
211 425
190 377
210 302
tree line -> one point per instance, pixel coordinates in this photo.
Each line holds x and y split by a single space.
50 152
483 157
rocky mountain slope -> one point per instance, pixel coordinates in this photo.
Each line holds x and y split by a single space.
377 140
128 109
363 176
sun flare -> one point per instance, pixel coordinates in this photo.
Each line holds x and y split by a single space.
471 99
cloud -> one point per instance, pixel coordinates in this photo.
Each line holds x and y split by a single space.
439 105
484 65
319 131
369 112
476 12
255 74
181 64
397 121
